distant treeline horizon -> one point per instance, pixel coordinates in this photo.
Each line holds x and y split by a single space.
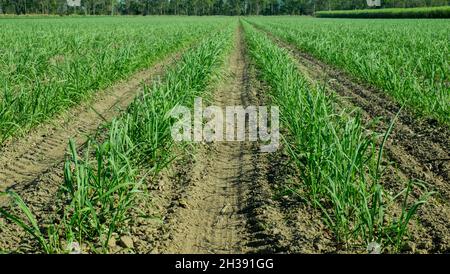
199 7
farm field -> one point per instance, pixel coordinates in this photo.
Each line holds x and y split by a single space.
89 164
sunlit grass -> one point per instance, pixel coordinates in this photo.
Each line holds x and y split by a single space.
48 65
408 59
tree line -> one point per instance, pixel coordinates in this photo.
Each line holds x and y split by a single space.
198 7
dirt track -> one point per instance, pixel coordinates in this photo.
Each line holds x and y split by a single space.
211 219
418 149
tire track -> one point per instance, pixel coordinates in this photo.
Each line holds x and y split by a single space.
211 218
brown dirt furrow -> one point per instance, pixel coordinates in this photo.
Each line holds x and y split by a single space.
24 159
417 148
228 203
210 220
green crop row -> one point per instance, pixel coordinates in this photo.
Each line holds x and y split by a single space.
338 163
408 59
102 185
48 65
423 12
